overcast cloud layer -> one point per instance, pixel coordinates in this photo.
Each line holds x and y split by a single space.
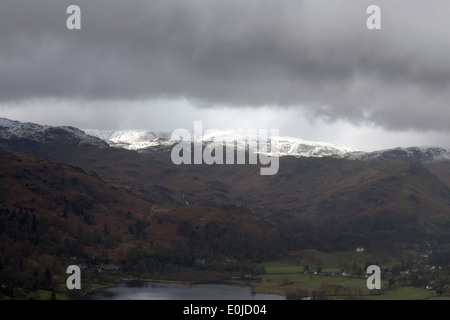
317 56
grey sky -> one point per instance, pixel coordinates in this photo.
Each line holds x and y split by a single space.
310 67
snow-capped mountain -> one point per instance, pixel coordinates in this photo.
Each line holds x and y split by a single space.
132 139
14 130
157 142
143 140
146 140
286 146
419 154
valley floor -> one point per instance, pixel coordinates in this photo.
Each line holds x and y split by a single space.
311 274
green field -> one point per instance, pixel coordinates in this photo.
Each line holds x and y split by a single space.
281 278
288 277
335 262
405 293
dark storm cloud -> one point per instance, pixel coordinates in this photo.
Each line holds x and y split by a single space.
316 55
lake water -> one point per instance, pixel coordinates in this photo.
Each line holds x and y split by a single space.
142 290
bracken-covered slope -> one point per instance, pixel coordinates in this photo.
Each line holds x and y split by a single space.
52 213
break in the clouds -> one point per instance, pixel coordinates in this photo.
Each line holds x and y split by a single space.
314 55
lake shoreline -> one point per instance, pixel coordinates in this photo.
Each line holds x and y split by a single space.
237 283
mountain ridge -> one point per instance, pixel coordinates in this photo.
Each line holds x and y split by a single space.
145 140
14 130
151 141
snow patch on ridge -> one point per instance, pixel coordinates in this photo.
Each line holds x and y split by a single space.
287 146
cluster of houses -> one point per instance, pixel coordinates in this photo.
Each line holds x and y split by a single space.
101 268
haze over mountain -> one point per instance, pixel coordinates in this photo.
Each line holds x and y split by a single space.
311 68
